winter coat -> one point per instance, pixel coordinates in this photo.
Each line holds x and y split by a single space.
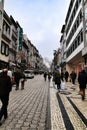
82 79
66 74
5 84
17 77
57 78
73 75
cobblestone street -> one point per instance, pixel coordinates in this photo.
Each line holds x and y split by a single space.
40 107
68 111
28 108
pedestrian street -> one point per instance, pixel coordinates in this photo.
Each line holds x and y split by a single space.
28 108
40 107
68 111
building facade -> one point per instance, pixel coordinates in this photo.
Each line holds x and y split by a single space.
74 35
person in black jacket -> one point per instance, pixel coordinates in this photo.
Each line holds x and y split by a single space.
57 79
73 77
5 88
66 76
17 77
82 79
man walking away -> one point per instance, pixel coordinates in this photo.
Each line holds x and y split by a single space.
82 79
66 76
73 77
17 77
5 88
45 75
57 79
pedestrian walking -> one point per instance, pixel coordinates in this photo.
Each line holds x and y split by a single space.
49 76
73 77
5 88
82 79
66 75
17 77
23 81
57 79
45 76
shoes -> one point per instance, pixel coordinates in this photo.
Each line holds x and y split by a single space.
83 97
22 88
17 89
5 117
0 123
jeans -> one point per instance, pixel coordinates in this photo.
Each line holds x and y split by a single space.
4 99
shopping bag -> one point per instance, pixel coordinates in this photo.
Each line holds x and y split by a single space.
55 86
62 85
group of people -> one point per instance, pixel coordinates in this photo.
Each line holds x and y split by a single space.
82 80
6 85
5 89
17 77
47 74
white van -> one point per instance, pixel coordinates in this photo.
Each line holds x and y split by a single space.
29 74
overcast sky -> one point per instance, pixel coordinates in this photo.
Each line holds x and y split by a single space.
41 20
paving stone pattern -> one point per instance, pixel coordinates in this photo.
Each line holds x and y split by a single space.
28 108
37 108
59 119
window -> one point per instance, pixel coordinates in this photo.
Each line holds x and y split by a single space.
79 40
75 43
80 16
0 14
81 36
4 49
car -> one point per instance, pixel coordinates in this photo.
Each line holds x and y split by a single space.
29 74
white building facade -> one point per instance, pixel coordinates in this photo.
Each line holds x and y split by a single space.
75 36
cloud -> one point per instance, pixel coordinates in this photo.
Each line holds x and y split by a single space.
41 20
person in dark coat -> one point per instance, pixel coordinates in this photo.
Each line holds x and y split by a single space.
66 76
23 81
82 79
57 79
73 77
49 76
45 76
17 77
62 76
5 88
